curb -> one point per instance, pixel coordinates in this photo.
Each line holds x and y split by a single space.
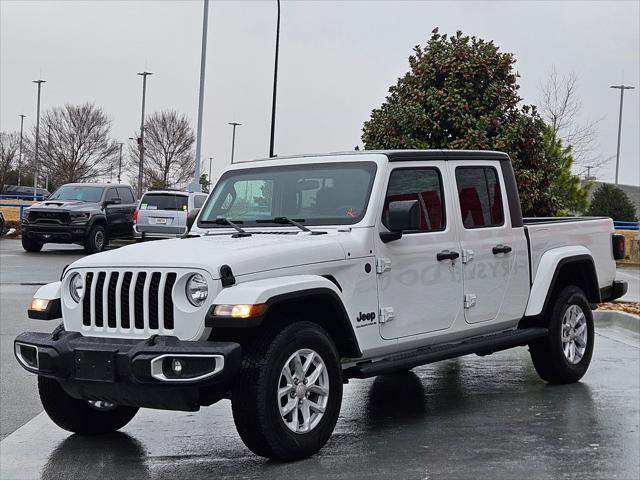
619 319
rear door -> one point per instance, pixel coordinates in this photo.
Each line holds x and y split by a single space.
127 207
486 237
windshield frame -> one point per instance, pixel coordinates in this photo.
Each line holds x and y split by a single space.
93 187
370 166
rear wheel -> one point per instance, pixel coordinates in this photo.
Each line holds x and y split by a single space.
564 355
31 245
288 395
81 416
96 241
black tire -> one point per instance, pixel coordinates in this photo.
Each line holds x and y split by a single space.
78 416
1 225
31 245
255 404
547 353
96 241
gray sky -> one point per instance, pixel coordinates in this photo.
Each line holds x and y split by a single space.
337 62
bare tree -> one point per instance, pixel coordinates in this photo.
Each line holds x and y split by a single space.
561 107
168 156
75 144
9 151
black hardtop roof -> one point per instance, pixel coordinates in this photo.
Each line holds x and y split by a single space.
407 155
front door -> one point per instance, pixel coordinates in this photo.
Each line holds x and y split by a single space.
421 293
485 237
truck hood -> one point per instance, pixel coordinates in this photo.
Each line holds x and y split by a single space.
246 255
69 205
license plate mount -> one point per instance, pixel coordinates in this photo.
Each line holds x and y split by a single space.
95 366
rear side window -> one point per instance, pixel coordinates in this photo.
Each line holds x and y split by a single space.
125 195
423 185
164 201
199 200
480 197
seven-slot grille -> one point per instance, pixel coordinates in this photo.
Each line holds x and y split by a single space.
124 300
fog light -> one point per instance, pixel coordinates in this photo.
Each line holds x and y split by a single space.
176 366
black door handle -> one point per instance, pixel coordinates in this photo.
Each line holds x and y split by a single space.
501 249
447 255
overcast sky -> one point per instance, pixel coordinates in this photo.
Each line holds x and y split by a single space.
337 60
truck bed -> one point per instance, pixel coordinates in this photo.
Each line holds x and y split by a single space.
593 233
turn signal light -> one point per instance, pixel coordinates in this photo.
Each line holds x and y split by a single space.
39 304
240 311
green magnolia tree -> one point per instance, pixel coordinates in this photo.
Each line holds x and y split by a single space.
609 201
461 92
566 187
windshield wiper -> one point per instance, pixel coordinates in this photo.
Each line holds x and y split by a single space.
224 221
290 221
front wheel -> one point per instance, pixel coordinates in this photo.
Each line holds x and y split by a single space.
564 355
96 241
81 416
287 398
31 245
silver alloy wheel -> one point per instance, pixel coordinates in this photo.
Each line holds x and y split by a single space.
303 391
99 240
101 405
574 334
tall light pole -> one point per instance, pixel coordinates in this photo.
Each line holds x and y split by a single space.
37 166
120 162
203 64
275 84
20 154
141 139
622 88
233 138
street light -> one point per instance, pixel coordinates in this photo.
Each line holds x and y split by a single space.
20 154
35 177
141 139
622 88
233 139
203 63
275 84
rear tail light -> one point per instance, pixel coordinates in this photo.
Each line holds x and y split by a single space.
135 216
618 244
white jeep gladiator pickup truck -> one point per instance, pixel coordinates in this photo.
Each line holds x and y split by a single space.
301 273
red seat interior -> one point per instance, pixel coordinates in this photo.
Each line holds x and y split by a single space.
470 204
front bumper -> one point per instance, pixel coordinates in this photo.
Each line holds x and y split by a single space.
52 233
132 372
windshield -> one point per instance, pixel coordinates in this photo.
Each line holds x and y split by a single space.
164 201
77 192
317 194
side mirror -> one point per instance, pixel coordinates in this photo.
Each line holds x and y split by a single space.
114 201
191 218
401 216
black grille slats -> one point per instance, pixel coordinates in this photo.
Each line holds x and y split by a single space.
111 300
126 290
124 300
154 287
98 299
138 306
86 301
168 301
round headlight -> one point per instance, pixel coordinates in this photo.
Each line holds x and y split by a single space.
76 287
197 289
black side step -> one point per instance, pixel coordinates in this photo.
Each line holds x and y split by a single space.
483 345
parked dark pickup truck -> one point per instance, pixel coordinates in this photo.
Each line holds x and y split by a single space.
89 214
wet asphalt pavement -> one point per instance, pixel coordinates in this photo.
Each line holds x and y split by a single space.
481 418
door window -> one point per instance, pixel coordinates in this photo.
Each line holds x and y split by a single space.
480 197
112 194
423 185
125 195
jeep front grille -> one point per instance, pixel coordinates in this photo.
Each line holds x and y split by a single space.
124 299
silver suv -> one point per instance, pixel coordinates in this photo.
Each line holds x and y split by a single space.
163 213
